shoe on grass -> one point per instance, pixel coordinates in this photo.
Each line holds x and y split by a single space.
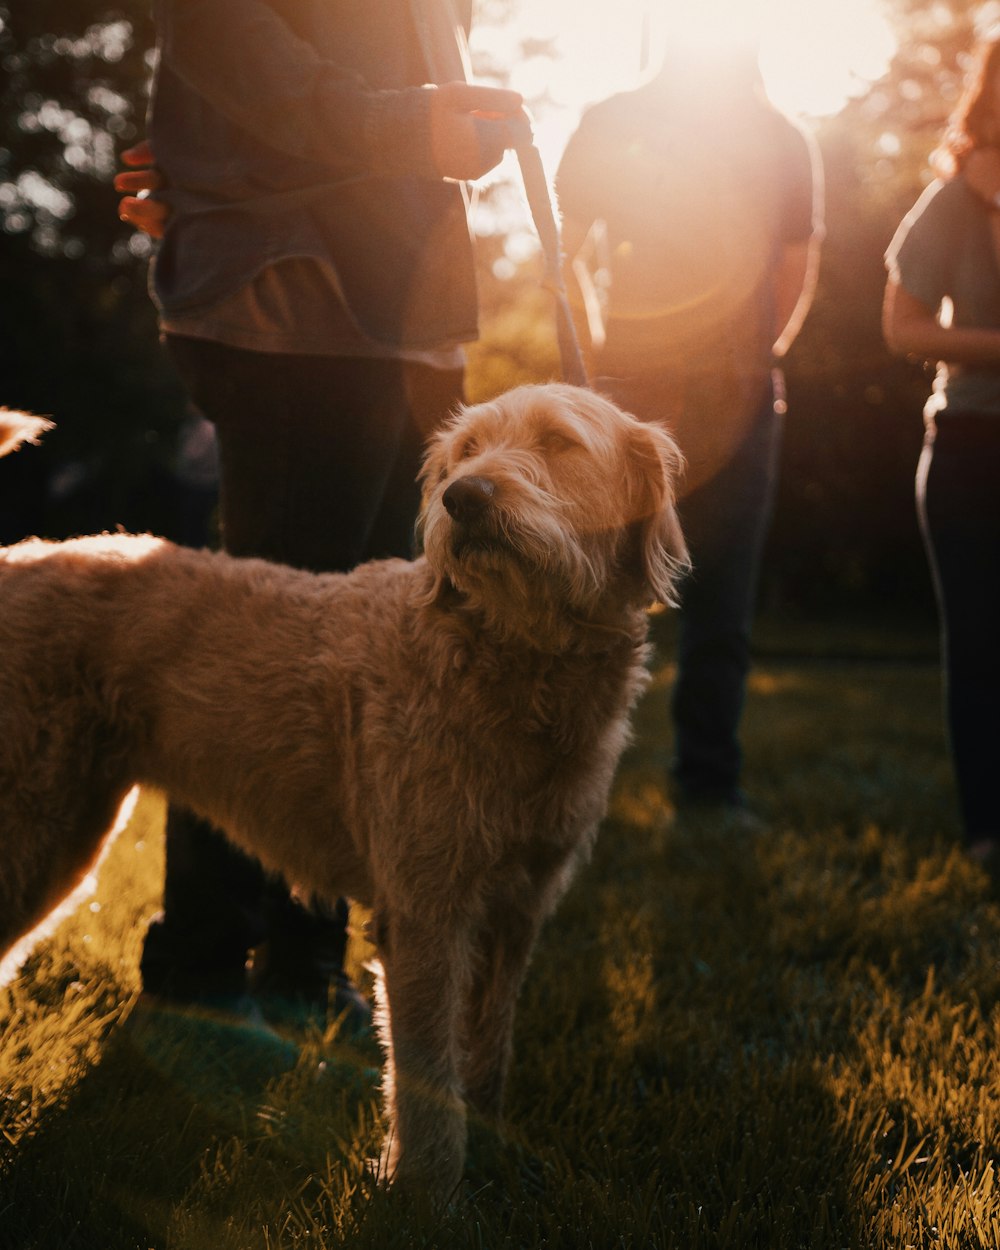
726 811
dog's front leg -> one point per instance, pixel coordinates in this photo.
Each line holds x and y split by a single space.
504 946
425 968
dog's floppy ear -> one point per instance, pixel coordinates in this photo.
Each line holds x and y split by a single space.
433 469
655 466
434 466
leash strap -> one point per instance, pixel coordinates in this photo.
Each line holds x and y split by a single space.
536 188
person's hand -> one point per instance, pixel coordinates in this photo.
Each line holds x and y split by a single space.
469 131
981 169
137 206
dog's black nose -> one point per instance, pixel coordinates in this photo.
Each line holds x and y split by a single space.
468 497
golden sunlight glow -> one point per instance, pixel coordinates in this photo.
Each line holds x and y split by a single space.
814 54
562 55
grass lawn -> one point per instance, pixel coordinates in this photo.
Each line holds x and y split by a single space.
781 1041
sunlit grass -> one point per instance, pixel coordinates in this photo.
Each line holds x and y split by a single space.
783 1041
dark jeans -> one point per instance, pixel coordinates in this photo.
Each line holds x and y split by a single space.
318 459
958 505
725 521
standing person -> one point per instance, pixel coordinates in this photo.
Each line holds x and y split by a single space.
315 286
700 205
942 303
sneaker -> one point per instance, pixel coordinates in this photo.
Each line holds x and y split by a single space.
728 811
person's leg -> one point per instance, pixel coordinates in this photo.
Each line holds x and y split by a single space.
307 449
432 396
960 522
196 949
725 522
305 949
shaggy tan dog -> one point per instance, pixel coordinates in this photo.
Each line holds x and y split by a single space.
435 739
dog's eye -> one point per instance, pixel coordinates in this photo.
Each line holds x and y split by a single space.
555 441
468 447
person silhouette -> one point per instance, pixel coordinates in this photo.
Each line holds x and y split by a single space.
692 221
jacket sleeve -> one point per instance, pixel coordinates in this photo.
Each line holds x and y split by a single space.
249 65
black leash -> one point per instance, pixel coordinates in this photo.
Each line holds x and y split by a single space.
536 189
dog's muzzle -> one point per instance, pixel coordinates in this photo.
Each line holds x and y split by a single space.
469 503
468 498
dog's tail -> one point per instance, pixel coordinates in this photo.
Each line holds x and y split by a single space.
20 427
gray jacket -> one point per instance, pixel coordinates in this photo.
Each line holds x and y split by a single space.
299 128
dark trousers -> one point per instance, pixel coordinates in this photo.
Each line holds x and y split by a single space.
725 518
958 505
318 459
725 522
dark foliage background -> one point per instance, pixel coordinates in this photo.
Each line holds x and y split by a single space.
77 330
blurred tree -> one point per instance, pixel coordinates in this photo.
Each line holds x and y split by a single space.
78 338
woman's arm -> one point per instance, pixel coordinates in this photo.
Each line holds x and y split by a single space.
911 328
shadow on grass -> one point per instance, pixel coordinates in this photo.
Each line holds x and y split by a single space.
182 1122
672 1088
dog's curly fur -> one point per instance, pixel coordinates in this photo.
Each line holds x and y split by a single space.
435 739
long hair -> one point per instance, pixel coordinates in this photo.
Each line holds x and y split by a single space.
974 122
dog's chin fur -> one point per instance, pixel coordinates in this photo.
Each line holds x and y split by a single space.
436 739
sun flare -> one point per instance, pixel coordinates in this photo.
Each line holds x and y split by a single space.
815 57
562 55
